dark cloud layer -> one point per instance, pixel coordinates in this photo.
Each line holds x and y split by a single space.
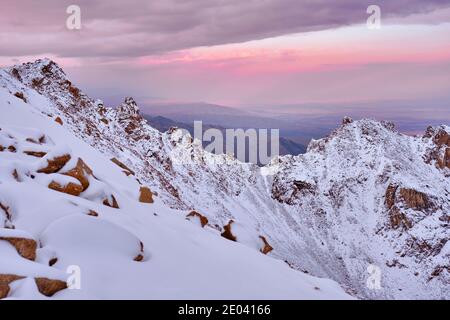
137 28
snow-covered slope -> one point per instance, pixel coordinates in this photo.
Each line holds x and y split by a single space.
365 195
64 204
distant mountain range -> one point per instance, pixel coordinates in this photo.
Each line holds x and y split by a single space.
163 124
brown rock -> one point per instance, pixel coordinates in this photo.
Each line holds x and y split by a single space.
25 247
5 280
114 203
59 120
123 166
81 172
146 195
55 164
70 188
20 95
203 219
15 174
347 120
92 213
399 219
227 234
390 195
446 161
267 247
52 262
6 210
37 154
4 290
139 258
415 199
442 138
49 287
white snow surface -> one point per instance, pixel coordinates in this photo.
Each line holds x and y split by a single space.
324 212
179 259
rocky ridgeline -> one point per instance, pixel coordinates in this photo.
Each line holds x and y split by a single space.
365 194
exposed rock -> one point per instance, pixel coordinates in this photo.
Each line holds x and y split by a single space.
399 219
15 174
37 154
202 218
415 199
446 160
20 95
25 247
146 195
49 287
52 262
347 120
267 247
59 120
5 209
55 164
390 195
123 166
302 185
227 234
442 138
92 213
111 202
70 188
5 280
81 172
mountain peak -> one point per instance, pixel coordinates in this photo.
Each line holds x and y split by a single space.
129 107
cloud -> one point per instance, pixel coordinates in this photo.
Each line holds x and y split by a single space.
120 29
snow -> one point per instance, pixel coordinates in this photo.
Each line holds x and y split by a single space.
179 259
335 227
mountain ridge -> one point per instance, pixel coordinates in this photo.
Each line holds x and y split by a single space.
356 198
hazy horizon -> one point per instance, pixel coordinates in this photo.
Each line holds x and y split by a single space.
312 59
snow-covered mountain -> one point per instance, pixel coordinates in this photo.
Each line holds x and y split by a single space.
365 196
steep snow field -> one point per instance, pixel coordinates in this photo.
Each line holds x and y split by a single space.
176 258
363 197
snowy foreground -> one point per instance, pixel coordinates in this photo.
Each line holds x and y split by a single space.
145 214
58 215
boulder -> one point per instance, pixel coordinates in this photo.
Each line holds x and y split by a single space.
59 120
49 287
55 164
81 172
266 246
5 280
70 188
227 234
111 202
37 154
202 218
145 195
127 170
25 247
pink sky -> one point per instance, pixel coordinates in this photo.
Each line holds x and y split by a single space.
267 58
